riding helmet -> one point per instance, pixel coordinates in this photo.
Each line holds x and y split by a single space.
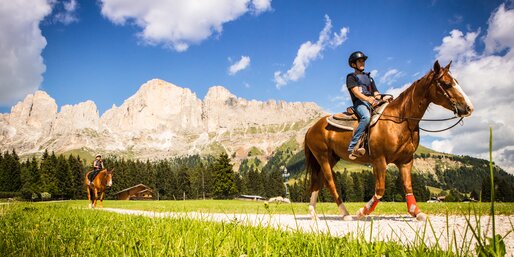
355 56
98 155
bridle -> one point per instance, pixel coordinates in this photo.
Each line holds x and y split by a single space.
435 81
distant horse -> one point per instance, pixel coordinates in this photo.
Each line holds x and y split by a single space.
393 139
102 180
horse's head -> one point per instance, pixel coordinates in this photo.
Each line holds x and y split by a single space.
446 92
109 177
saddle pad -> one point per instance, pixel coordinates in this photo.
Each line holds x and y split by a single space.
348 124
342 124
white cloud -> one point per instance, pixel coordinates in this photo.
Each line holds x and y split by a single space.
242 64
499 34
487 78
261 6
178 24
397 91
456 46
338 39
308 52
66 13
391 76
373 73
21 44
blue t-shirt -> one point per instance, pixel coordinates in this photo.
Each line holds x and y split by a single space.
364 81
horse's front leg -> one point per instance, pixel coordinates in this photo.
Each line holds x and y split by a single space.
379 169
412 207
96 198
101 199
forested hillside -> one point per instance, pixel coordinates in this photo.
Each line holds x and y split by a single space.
196 177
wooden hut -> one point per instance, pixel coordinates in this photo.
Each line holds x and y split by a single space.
137 192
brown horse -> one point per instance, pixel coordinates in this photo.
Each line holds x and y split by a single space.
393 139
102 180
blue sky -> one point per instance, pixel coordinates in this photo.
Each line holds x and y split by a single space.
105 50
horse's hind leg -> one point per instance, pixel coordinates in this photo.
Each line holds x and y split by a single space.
326 167
88 191
316 185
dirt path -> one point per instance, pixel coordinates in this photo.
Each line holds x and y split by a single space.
402 229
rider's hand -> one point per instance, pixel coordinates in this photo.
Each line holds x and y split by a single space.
371 100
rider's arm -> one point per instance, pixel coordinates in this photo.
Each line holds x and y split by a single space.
358 94
376 94
95 164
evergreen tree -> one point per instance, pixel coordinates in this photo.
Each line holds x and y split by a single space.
31 179
224 186
274 184
64 179
183 183
254 184
238 180
10 172
49 174
350 195
358 186
78 173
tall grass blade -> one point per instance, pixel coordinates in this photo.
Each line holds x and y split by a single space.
492 185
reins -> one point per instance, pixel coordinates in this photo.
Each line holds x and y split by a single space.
445 93
421 119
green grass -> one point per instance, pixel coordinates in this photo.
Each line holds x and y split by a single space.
425 150
59 229
84 154
241 206
350 166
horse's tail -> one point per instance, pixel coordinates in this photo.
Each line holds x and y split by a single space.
312 166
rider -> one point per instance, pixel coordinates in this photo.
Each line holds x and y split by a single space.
364 93
98 165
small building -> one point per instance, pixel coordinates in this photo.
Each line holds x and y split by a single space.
251 197
137 192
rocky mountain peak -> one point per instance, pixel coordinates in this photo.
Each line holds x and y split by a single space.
36 110
218 94
160 120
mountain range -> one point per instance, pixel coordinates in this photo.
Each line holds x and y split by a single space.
160 120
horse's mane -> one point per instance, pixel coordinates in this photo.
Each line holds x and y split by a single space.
409 92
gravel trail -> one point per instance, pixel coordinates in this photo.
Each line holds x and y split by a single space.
403 229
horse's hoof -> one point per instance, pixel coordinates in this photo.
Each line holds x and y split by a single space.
312 213
421 217
360 214
90 206
347 217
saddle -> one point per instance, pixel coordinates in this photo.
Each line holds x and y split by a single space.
346 120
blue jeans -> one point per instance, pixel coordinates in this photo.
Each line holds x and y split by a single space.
362 109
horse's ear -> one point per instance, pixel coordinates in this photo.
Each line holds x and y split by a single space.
437 67
448 66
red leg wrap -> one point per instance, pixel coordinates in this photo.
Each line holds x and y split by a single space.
412 207
370 206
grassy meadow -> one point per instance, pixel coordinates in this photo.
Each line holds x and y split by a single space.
69 229
242 206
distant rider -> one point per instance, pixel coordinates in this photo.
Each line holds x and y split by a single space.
98 165
364 93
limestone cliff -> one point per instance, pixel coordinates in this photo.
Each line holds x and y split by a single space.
160 120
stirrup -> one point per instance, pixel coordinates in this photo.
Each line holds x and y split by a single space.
357 153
